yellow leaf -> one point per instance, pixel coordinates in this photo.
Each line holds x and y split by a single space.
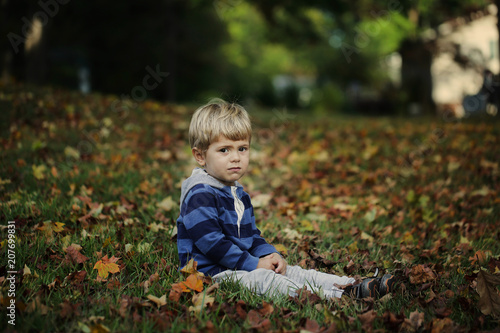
38 171
261 200
281 248
167 204
156 227
482 192
201 300
143 247
106 266
26 270
366 236
99 328
369 152
452 166
58 227
72 152
353 248
50 227
158 301
190 267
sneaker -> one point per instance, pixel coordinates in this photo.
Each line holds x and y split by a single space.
372 287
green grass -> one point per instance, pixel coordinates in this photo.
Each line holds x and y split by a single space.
340 183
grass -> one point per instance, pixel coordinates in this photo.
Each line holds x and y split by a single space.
347 194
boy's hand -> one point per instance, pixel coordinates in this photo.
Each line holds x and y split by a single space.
268 263
280 263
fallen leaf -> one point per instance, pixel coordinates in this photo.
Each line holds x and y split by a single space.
99 328
442 325
367 319
200 301
37 306
257 322
74 256
266 309
106 266
167 204
39 171
489 299
479 257
193 282
190 268
50 227
414 323
158 301
421 274
76 277
281 248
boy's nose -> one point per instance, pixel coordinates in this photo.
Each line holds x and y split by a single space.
235 157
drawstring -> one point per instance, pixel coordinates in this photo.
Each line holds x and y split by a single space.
238 206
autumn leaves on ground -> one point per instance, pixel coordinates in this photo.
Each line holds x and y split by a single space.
92 185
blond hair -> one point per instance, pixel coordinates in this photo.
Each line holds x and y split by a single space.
218 118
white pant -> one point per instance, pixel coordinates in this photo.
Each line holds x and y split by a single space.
267 282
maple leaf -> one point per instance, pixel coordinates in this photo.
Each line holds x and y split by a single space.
50 227
190 268
73 255
106 266
414 322
167 204
489 300
193 282
479 257
175 292
158 301
200 301
421 274
39 171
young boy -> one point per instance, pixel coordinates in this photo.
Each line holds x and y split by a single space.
216 226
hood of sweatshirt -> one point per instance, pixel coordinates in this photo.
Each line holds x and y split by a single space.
200 176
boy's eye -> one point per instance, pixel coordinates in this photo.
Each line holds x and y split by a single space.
224 150
243 148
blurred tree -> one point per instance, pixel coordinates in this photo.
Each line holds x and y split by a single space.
365 31
229 48
120 42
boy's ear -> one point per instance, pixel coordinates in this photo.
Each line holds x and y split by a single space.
198 156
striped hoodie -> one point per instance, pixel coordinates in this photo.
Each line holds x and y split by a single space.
216 226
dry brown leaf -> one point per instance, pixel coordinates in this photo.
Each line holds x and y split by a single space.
442 325
421 274
38 306
74 256
367 319
489 300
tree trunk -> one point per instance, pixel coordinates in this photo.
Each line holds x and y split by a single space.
172 12
416 78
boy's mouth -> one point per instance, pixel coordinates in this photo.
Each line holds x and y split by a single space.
235 169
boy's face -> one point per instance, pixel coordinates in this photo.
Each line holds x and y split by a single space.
225 159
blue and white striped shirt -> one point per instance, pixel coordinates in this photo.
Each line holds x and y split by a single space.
213 233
